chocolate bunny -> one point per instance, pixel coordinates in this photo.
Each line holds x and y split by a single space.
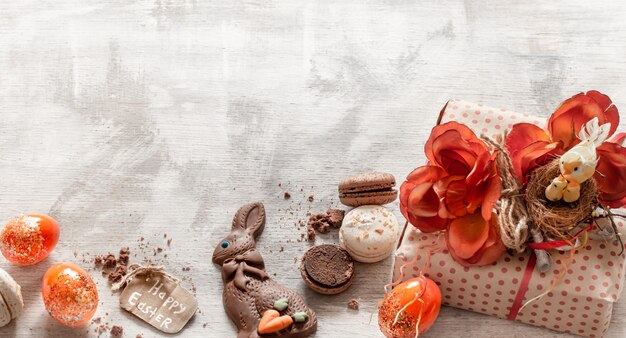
248 290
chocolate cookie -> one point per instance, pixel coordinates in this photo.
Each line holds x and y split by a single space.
327 269
368 188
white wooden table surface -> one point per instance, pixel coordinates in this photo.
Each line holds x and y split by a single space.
131 118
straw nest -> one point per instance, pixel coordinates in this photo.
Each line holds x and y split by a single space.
557 220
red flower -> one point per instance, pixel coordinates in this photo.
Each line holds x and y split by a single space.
459 185
530 146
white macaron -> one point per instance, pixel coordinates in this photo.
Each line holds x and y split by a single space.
11 302
369 233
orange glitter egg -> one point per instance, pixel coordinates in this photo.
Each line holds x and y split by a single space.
410 308
28 239
69 294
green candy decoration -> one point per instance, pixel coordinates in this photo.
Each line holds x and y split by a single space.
281 304
300 317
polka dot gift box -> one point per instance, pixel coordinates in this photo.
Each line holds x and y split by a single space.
582 301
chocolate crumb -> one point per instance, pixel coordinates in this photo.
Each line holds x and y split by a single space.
110 261
101 328
117 331
186 268
310 232
353 304
282 248
97 260
139 336
124 256
311 198
335 217
320 223
169 242
287 195
116 276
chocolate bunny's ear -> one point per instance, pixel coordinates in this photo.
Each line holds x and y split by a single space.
250 218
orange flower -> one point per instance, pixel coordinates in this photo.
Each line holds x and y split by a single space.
572 114
472 178
456 191
473 241
419 202
611 174
530 146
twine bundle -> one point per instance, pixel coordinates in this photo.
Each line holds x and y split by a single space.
137 269
516 226
512 216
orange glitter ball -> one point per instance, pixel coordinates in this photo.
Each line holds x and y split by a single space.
69 294
28 239
410 308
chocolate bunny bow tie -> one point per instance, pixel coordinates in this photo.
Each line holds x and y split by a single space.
248 263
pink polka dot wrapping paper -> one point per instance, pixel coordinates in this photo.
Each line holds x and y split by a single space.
580 304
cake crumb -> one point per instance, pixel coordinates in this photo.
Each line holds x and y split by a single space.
124 256
117 331
310 233
109 261
320 223
335 217
287 195
116 276
353 304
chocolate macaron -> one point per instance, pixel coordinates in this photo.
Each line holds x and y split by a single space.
327 269
368 188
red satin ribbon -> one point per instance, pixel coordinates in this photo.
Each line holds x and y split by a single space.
530 267
517 304
557 244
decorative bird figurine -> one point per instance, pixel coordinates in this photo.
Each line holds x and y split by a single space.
554 192
579 163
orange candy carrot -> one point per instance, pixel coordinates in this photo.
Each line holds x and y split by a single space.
268 316
272 322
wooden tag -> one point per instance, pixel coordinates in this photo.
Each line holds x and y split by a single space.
159 300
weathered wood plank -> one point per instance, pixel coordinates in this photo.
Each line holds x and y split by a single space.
137 118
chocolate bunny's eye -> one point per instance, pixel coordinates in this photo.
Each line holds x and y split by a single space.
225 244
576 169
